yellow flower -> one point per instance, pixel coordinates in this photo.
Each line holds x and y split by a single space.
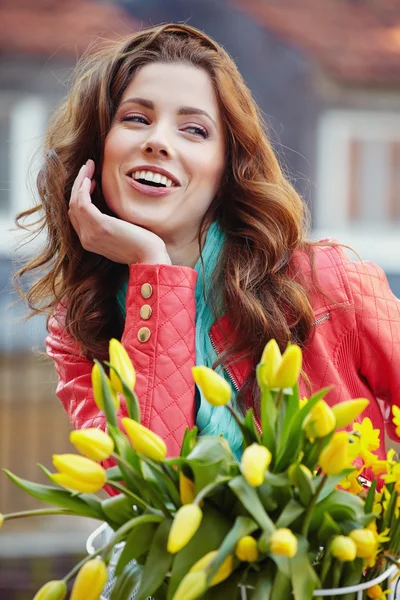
186 522
346 412
216 390
90 581
366 442
380 467
192 586
143 440
335 456
320 421
223 572
271 360
78 473
93 443
186 489
1 520
53 590
351 484
283 542
119 359
246 549
396 415
302 402
98 390
376 593
365 541
255 461
280 371
344 548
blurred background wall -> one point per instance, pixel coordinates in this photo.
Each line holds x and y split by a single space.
326 74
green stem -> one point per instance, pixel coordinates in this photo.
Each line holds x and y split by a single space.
124 490
234 415
76 568
307 518
279 399
37 513
125 528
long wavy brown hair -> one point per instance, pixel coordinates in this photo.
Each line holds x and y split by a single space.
263 217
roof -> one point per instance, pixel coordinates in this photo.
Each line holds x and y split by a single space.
357 41
61 27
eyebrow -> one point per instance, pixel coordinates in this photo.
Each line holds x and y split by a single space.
183 110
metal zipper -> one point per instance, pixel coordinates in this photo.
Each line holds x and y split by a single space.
321 319
234 383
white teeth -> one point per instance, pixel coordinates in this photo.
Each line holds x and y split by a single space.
163 180
137 175
157 178
150 176
169 183
142 175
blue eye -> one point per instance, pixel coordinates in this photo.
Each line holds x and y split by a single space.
198 130
136 119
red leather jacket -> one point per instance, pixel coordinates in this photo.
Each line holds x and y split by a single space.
356 346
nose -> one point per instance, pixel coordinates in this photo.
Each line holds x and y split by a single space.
157 145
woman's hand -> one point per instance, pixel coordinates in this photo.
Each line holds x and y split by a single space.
113 238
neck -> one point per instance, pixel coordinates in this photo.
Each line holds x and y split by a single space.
185 254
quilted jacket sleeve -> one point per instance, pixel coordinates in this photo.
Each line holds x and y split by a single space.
163 362
377 313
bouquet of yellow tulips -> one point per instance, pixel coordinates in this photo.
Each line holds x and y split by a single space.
293 516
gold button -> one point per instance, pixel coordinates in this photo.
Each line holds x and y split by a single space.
145 312
144 334
146 290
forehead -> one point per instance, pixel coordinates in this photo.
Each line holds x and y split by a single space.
175 84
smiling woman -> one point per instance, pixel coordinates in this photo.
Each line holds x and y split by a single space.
172 228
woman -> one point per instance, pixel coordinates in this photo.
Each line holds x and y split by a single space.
181 236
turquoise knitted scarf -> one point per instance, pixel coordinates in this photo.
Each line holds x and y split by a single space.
211 420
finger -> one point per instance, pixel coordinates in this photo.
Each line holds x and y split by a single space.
90 168
74 222
92 186
77 184
84 192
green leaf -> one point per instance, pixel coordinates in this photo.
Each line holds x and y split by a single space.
277 480
341 505
249 428
268 420
267 495
304 578
369 500
331 482
292 511
126 582
139 540
242 526
118 509
114 474
210 458
281 589
157 564
108 402
305 486
132 402
213 528
328 528
226 589
351 575
189 441
79 504
264 583
166 478
251 502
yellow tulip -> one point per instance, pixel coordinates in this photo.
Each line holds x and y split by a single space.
90 581
344 548
246 549
119 359
186 522
192 586
271 360
320 421
335 456
53 590
143 440
289 370
98 390
78 473
1 520
186 489
93 443
255 461
215 389
346 412
376 592
283 543
365 542
223 572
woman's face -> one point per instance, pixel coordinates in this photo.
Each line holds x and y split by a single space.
164 155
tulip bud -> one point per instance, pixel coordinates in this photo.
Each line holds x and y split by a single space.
283 543
246 549
255 461
98 389
93 443
186 489
53 590
365 542
223 572
192 586
119 359
90 581
186 522
375 592
292 473
1 520
289 370
344 548
346 412
215 389
78 473
320 421
143 440
335 456
270 362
